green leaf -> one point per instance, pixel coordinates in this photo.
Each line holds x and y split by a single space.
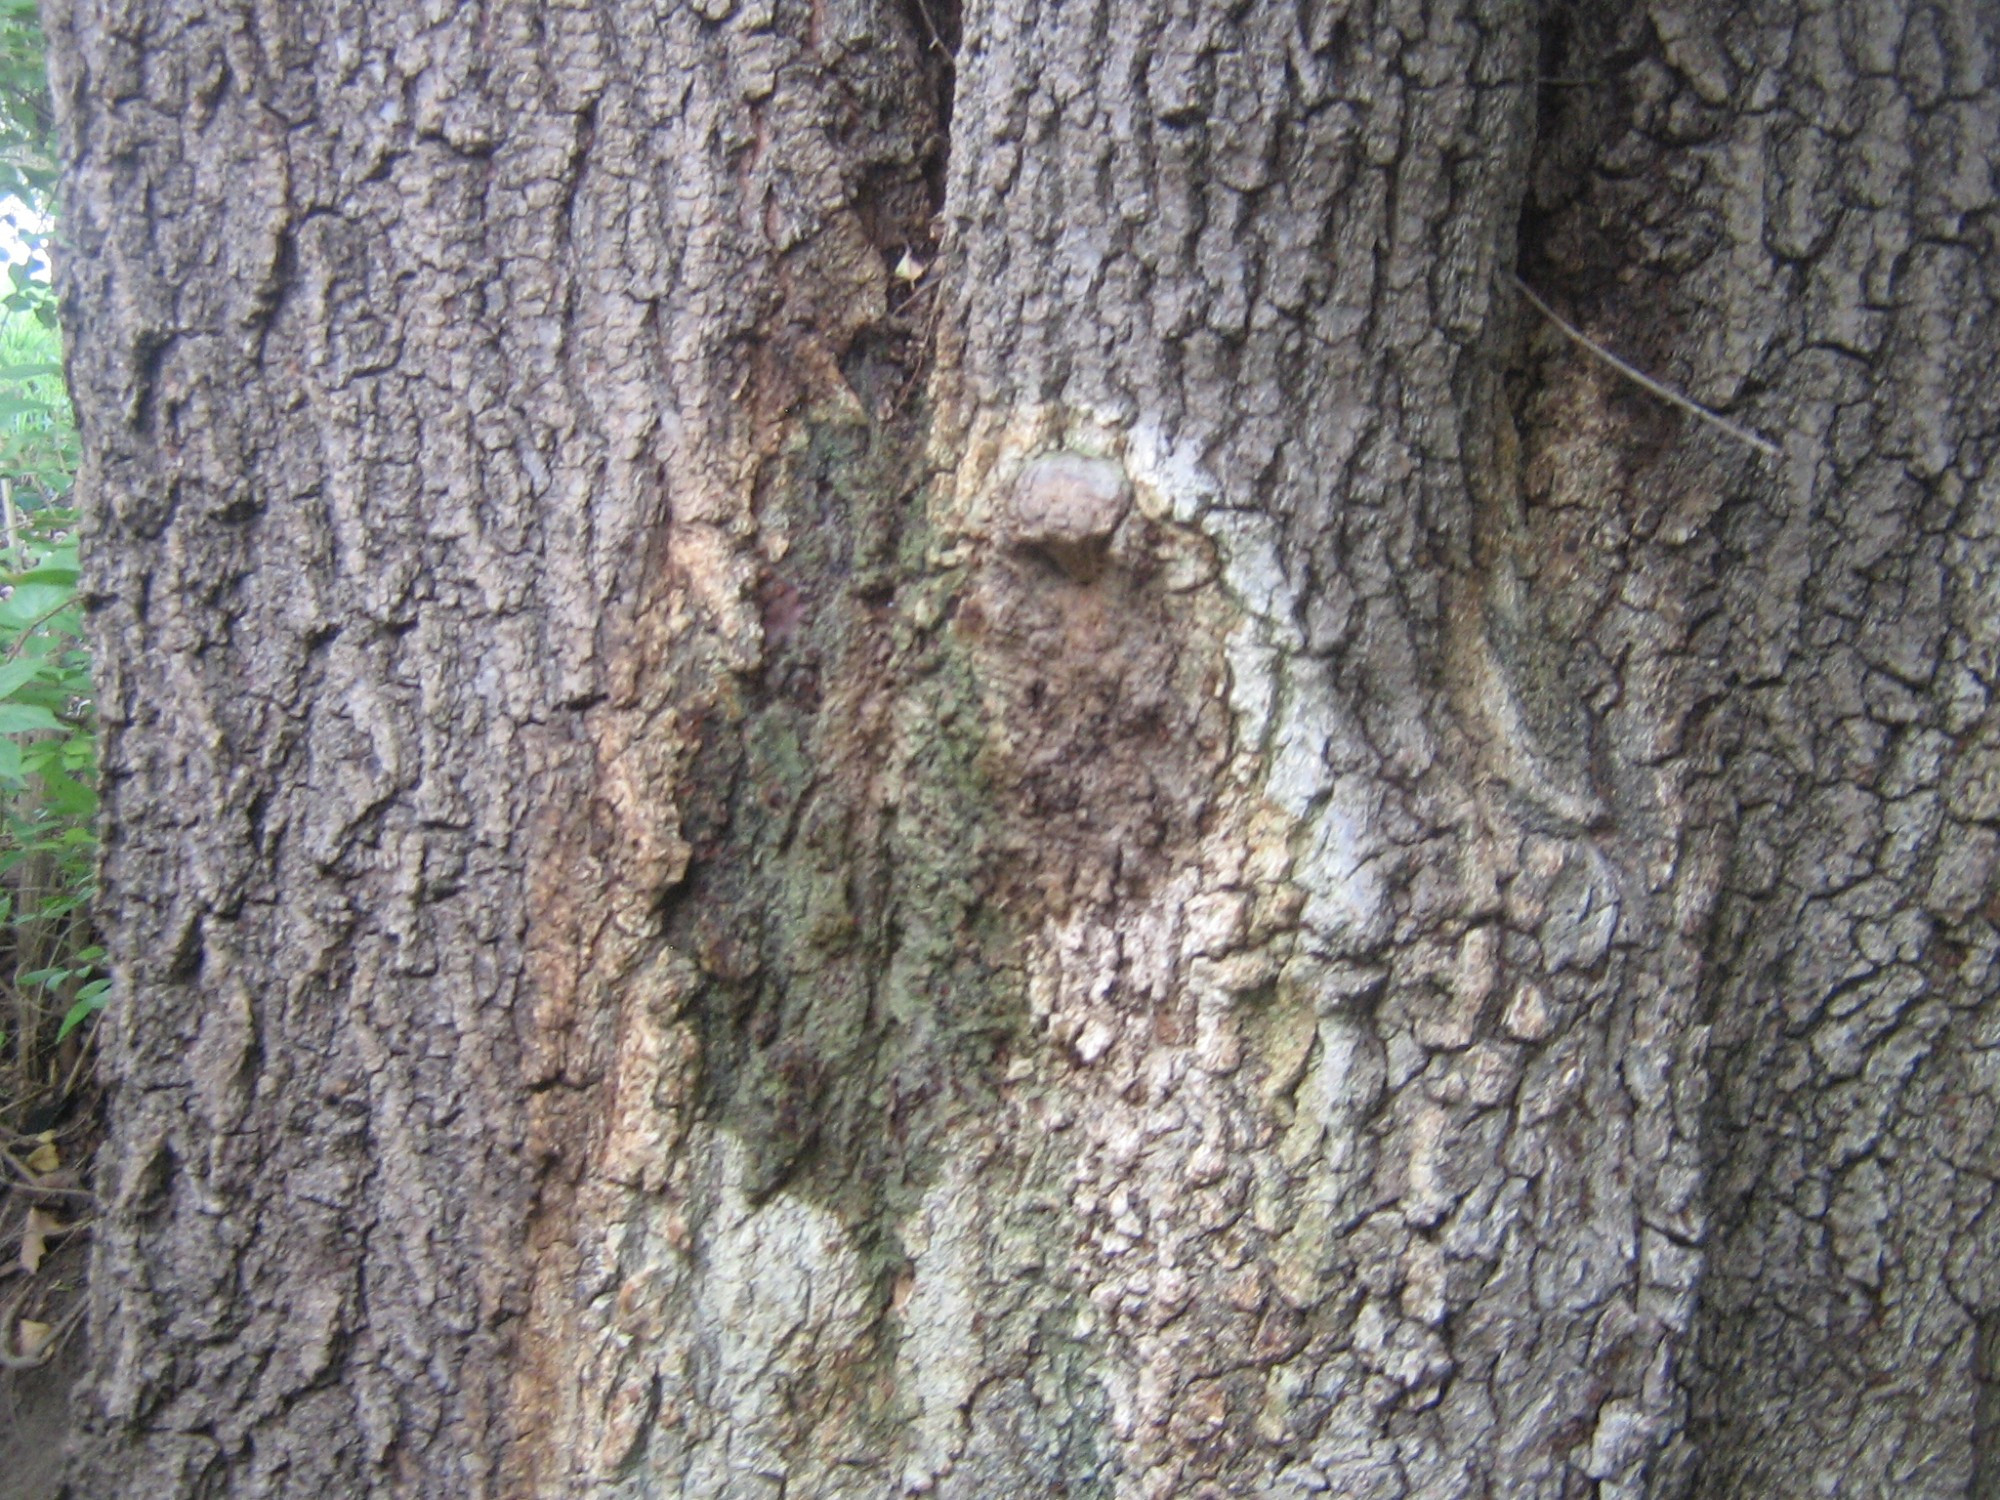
29 602
21 718
92 998
14 674
44 690
70 798
62 574
57 563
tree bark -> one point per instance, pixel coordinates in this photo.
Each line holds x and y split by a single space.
858 750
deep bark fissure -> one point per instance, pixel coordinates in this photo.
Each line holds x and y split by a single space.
940 26
1986 1410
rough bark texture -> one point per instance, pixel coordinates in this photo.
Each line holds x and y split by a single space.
860 750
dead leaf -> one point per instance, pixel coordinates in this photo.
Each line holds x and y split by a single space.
33 1337
45 1157
35 1238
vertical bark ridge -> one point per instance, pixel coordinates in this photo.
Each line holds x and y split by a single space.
697 1030
1406 1209
1776 208
428 405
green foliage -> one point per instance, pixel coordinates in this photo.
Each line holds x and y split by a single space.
48 743
27 130
50 966
28 168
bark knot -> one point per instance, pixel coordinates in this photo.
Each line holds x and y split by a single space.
1066 507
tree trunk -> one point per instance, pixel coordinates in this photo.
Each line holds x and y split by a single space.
853 750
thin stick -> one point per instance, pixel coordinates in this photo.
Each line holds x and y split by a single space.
7 505
9 1360
931 26
29 1183
76 1069
1639 377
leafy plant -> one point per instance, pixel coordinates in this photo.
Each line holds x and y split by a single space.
28 165
48 743
50 964
27 126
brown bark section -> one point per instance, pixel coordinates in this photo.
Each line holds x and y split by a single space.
426 395
1137 840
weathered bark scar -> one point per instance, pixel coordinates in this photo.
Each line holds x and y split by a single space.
968 848
1093 636
696 938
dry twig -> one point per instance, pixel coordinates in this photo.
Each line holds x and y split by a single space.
1639 377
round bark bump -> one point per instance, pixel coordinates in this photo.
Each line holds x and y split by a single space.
1066 506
